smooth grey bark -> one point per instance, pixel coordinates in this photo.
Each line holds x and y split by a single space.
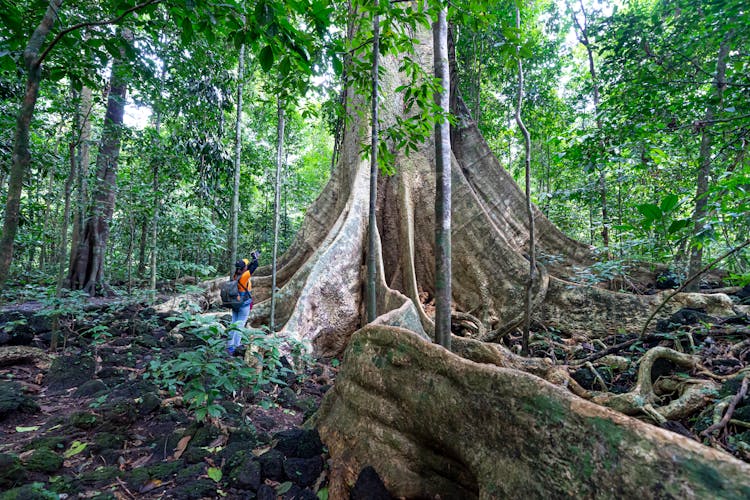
235 207
704 161
529 208
157 199
443 295
276 206
372 258
21 155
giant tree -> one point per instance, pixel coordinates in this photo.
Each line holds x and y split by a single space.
321 301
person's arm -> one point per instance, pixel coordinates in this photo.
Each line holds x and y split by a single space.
253 263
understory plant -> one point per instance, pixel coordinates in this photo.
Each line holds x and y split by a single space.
205 374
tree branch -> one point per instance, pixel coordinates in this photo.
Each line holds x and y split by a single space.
78 26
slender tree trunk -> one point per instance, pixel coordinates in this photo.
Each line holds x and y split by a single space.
279 158
85 108
443 273
583 39
371 296
156 163
235 208
142 241
704 161
21 154
529 207
88 270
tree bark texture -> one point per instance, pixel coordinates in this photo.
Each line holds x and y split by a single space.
443 158
432 423
21 153
87 272
372 221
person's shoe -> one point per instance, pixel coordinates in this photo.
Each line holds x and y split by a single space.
239 351
231 350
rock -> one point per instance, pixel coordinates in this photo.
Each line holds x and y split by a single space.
11 471
68 372
299 443
272 465
150 402
303 471
195 490
33 491
44 460
265 492
90 389
84 420
297 493
12 399
666 280
685 316
246 474
369 486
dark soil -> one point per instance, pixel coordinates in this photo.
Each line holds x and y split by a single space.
88 424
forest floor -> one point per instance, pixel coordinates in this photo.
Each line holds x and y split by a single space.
91 421
86 423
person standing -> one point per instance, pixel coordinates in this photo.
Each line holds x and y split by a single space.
244 269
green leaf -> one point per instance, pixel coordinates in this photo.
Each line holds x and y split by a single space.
669 202
650 211
214 473
323 494
283 488
187 31
677 225
27 429
266 58
75 448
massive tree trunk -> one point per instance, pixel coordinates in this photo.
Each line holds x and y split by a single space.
395 387
321 277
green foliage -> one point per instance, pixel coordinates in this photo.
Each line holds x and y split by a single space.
206 374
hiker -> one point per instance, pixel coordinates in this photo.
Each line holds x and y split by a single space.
243 272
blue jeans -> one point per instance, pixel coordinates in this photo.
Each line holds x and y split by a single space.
239 318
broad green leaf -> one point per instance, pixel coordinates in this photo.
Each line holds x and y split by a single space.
266 58
650 211
214 473
669 202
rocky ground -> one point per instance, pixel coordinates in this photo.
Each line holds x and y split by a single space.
90 423
95 420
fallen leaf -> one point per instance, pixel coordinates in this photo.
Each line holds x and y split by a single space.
75 448
181 447
27 429
141 461
259 451
152 484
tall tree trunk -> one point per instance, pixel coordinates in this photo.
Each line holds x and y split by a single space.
276 204
583 38
155 167
85 109
443 290
21 154
235 208
142 244
371 297
704 161
529 207
87 274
